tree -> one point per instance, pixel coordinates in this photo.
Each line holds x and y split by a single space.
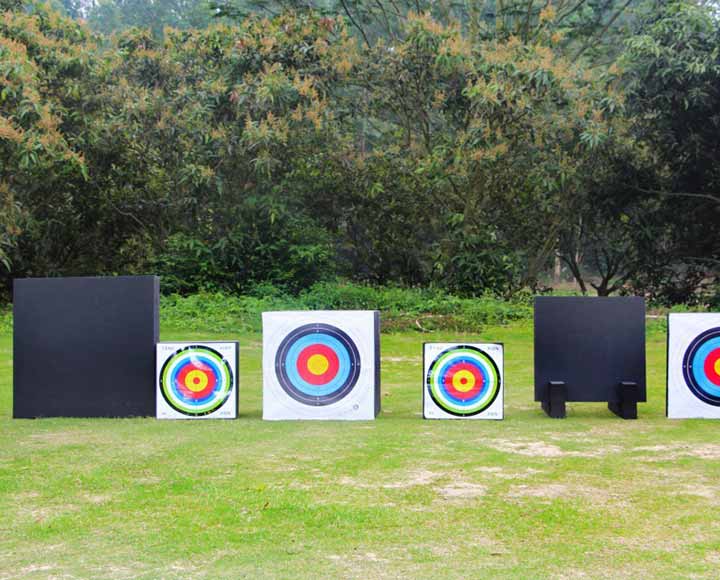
108 16
43 59
672 69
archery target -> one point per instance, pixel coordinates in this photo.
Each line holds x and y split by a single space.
693 388
197 380
463 381
320 365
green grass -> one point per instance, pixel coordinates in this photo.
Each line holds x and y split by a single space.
588 497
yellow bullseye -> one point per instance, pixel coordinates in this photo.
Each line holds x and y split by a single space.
463 381
318 364
196 381
717 366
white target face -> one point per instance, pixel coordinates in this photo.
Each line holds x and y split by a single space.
463 381
693 388
320 365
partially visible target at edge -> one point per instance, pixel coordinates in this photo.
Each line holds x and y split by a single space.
196 380
463 380
701 367
317 364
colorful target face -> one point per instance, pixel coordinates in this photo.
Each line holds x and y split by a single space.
701 367
694 365
317 364
196 380
321 365
463 381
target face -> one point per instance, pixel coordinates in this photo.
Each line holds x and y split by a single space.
317 364
196 380
701 367
463 380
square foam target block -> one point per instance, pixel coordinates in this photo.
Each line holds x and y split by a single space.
463 380
85 347
321 365
197 380
693 373
590 344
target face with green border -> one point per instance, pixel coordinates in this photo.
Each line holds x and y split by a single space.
196 380
463 380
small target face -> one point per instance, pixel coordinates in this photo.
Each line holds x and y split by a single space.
196 380
317 364
701 367
463 380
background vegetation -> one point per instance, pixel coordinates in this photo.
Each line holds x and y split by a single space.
472 148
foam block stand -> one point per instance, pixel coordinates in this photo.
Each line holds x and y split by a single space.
590 350
85 347
197 380
321 365
463 381
693 372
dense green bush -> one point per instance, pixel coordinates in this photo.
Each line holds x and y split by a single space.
401 309
288 252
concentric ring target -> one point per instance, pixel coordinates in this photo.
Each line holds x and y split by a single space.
701 367
196 380
317 364
463 380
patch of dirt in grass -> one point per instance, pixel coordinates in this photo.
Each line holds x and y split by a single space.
148 480
501 473
410 479
457 489
668 452
32 568
462 490
43 514
561 491
549 491
67 437
414 478
97 499
705 491
543 449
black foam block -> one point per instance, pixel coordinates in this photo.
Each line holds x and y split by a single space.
85 347
593 345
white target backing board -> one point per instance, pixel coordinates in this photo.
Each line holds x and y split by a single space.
321 365
463 380
693 374
197 380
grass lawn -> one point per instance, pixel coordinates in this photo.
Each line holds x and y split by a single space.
592 496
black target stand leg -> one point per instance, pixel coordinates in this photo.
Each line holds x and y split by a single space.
626 404
554 403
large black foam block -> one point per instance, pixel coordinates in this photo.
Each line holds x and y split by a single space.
85 347
594 349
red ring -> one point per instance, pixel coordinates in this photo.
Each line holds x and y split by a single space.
323 350
195 366
463 395
709 367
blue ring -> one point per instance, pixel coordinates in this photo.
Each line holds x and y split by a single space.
698 367
694 367
301 384
455 400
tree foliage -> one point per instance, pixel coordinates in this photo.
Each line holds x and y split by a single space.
460 146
